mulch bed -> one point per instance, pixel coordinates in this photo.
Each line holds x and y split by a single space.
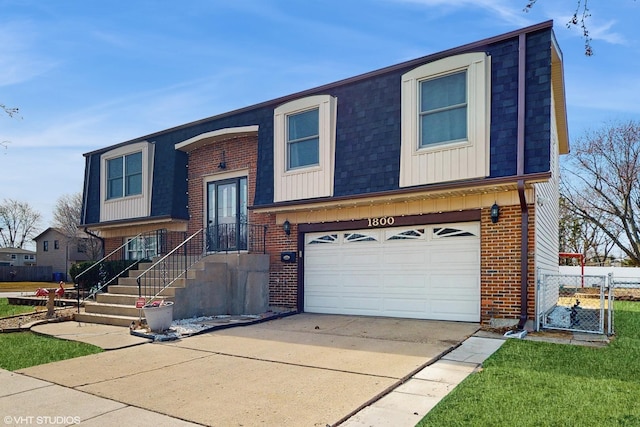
23 321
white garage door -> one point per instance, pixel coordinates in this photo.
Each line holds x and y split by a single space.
422 272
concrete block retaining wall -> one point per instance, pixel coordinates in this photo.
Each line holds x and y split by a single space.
231 284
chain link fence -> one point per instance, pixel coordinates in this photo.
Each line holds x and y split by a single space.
575 303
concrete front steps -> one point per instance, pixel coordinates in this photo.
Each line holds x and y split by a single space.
217 284
117 307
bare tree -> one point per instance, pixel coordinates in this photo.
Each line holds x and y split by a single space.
66 217
12 112
19 222
582 237
66 213
579 19
601 186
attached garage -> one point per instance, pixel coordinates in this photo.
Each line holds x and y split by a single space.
422 272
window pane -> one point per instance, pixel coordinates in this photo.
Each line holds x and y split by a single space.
303 153
114 178
243 200
114 168
448 125
443 92
133 163
134 184
303 125
133 171
114 188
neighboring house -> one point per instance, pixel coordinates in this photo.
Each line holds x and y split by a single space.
16 257
60 252
427 189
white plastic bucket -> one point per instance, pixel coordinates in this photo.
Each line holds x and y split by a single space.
159 318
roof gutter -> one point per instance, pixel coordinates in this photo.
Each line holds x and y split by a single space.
524 210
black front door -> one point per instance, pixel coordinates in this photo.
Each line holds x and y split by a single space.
227 215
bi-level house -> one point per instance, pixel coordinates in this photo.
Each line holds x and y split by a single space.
427 189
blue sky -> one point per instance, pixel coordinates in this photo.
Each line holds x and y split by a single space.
88 74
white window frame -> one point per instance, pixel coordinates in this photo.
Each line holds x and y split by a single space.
132 206
290 141
423 113
449 160
306 181
138 248
125 191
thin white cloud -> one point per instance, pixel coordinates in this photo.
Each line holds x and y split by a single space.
604 32
19 60
597 93
508 11
115 40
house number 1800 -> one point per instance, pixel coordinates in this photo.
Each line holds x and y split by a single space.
381 222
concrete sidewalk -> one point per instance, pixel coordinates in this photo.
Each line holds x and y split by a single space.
106 337
30 401
409 403
319 369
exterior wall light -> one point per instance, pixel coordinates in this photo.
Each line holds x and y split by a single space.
495 213
223 162
286 226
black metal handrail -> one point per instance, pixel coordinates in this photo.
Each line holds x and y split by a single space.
172 266
104 278
236 237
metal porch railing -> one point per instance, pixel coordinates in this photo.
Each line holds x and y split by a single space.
116 264
223 238
236 237
172 266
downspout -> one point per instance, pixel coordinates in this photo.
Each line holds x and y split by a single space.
524 210
524 254
86 230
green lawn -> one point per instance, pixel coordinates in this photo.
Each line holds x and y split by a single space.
24 349
7 310
527 383
25 286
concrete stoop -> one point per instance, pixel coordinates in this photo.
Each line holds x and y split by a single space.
218 284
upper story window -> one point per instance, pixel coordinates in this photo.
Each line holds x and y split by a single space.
446 118
443 109
56 244
304 141
124 176
45 246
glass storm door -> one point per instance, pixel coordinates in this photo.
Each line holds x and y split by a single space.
227 215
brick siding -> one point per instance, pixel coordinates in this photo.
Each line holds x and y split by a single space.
500 265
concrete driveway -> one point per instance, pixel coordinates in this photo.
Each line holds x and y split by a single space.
302 370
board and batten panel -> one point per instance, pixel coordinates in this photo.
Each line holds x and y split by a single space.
136 206
307 182
456 160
